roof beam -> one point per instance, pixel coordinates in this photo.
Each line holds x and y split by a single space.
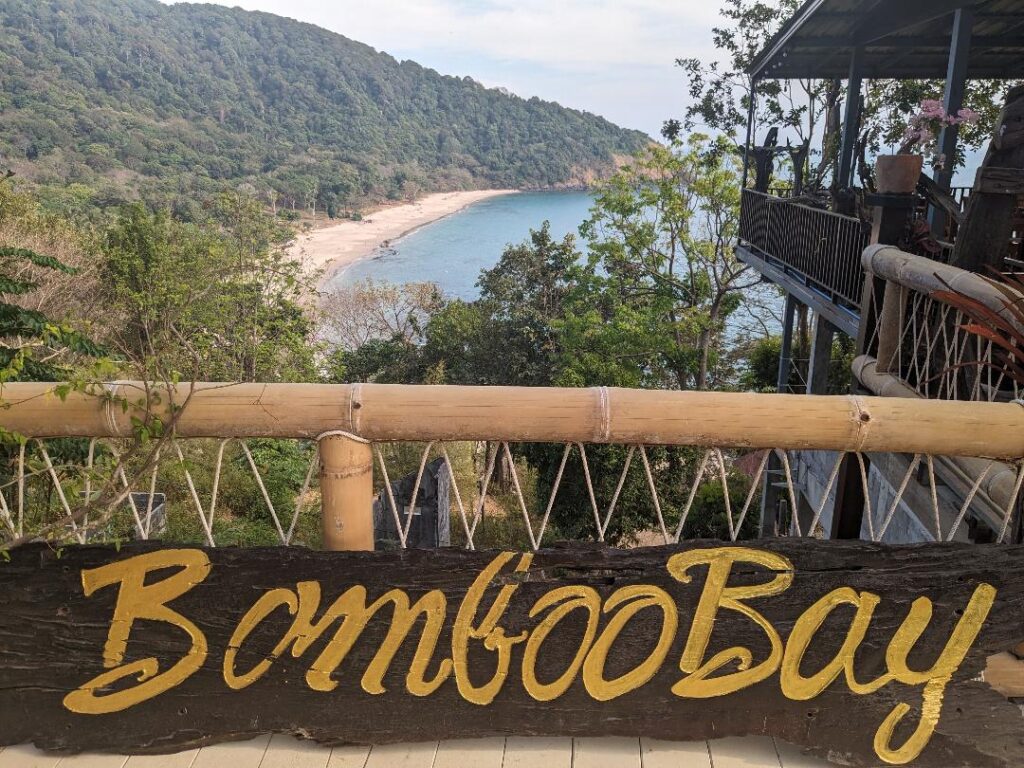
887 18
911 41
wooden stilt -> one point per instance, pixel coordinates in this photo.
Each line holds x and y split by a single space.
821 356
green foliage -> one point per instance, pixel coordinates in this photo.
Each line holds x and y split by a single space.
761 365
889 103
708 519
649 309
218 300
282 465
760 372
109 98
33 345
646 308
720 90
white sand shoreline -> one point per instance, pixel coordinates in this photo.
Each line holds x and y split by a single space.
333 249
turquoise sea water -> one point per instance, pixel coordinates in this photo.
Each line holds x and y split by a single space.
452 251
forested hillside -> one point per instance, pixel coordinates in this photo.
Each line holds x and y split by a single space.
103 99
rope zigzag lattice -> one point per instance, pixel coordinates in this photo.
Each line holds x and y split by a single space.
714 465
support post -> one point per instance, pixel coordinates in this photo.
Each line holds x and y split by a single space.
346 489
771 495
890 327
848 513
889 217
821 356
786 352
851 119
953 101
751 112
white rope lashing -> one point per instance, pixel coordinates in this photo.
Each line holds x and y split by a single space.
867 495
603 528
207 522
755 485
899 496
1008 512
791 492
654 493
263 491
78 532
967 501
693 495
824 494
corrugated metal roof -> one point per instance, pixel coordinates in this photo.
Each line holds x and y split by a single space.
818 40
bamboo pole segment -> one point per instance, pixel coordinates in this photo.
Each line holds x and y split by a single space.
213 410
395 412
926 276
346 491
890 325
999 485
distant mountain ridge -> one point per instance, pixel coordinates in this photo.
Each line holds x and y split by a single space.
173 101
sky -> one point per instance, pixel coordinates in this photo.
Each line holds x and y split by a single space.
615 58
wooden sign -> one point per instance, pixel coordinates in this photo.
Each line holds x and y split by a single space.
866 655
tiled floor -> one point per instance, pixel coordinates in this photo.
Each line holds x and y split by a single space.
286 752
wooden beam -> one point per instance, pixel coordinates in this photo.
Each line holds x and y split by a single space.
1000 181
152 648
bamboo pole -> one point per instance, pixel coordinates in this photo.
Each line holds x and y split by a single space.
346 492
1000 483
386 412
890 325
927 276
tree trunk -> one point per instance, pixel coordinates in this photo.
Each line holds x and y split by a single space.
983 240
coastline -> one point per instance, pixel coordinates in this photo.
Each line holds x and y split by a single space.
334 248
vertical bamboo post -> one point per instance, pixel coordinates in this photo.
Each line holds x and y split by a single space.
890 326
346 488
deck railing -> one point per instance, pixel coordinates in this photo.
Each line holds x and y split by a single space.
820 247
345 432
918 340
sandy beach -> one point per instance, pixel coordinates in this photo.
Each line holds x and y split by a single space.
333 248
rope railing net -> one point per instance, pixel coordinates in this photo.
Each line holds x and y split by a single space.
940 358
219 482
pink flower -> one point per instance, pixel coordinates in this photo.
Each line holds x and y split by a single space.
931 108
968 116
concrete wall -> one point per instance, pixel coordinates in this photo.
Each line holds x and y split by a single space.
811 472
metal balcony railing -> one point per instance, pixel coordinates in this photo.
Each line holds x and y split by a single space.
819 247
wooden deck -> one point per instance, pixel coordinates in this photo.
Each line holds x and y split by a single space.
286 752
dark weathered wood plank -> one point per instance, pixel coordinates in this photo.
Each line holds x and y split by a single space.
53 637
984 237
